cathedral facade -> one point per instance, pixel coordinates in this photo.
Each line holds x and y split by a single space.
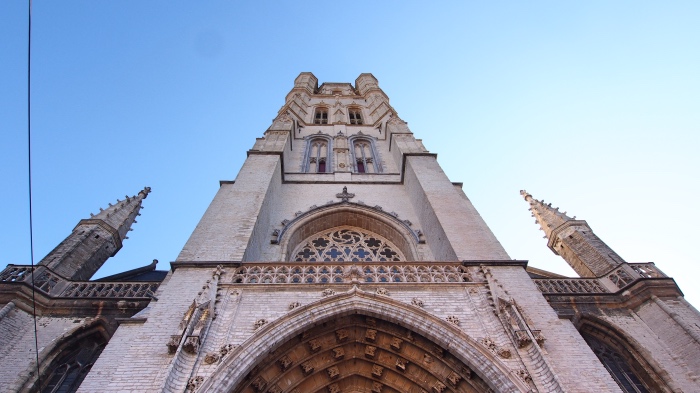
342 259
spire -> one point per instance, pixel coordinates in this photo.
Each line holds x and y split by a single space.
546 216
573 240
95 239
123 214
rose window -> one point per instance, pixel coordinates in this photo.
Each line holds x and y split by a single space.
346 244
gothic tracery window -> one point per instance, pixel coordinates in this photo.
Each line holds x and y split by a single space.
346 244
67 371
317 157
355 115
321 116
618 367
363 153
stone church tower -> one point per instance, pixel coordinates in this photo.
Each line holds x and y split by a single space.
342 259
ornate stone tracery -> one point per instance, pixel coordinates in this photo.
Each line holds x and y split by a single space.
346 244
370 273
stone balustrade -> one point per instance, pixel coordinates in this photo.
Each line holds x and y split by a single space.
50 283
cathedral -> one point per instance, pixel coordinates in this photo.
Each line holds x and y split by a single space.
343 260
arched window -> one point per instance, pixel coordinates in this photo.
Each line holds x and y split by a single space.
317 158
617 365
321 115
355 115
69 368
364 156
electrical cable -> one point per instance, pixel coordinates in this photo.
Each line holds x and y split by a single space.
29 167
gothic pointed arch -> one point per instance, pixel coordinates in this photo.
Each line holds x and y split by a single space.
65 363
368 219
365 157
317 155
360 341
626 360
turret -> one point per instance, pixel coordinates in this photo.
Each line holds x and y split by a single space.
96 239
573 240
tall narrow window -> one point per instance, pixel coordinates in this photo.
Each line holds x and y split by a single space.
355 115
364 156
321 116
317 156
618 367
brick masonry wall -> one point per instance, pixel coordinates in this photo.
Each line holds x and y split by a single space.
136 358
226 227
449 219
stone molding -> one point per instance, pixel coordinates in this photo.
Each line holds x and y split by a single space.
444 334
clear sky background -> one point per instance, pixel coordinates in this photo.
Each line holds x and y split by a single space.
593 106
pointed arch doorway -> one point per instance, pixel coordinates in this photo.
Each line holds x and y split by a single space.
360 341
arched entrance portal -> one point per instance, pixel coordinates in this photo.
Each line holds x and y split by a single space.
359 341
356 353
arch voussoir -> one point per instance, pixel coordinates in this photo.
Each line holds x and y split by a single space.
236 367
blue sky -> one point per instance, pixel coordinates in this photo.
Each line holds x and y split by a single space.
592 106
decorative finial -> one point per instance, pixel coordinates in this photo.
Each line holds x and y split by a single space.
345 196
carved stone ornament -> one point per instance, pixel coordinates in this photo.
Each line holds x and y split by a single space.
417 302
191 344
524 376
259 384
307 367
453 319
522 338
334 388
194 383
370 335
285 362
488 343
454 378
333 372
396 343
370 351
294 305
439 387
212 358
345 196
377 370
382 291
401 364
327 292
377 387
226 349
341 335
314 345
338 353
504 353
173 344
260 323
538 337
